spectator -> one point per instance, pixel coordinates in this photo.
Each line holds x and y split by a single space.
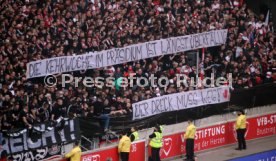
59 110
100 112
268 78
24 118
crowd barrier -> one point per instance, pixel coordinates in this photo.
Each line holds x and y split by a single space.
213 136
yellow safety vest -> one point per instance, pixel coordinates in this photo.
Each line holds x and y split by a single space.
136 135
156 142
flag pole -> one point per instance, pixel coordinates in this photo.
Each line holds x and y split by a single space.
197 61
202 64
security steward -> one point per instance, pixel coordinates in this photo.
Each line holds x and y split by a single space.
241 129
190 138
156 143
75 153
124 146
134 136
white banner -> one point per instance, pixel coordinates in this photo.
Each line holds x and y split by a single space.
180 101
126 54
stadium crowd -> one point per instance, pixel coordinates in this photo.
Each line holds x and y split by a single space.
33 30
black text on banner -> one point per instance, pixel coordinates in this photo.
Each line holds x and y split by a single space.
180 101
126 54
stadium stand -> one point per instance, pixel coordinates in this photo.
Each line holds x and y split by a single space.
34 30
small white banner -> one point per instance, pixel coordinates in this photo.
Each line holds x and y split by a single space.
180 101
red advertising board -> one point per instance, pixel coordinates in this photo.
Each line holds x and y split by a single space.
137 152
206 138
218 135
210 137
172 146
261 126
102 155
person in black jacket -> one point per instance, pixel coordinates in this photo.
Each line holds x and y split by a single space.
99 112
59 110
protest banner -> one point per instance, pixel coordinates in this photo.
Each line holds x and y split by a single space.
180 101
41 138
126 54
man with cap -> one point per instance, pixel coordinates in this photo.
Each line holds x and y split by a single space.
134 136
124 146
241 129
190 138
156 143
